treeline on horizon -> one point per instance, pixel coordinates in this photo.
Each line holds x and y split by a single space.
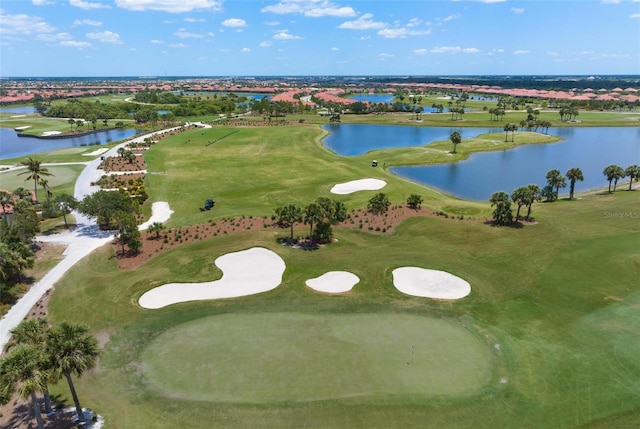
546 82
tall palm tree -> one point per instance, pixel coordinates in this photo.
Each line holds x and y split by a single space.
73 351
502 213
556 180
45 186
34 331
536 195
313 214
455 139
35 170
633 172
573 174
613 173
23 368
288 215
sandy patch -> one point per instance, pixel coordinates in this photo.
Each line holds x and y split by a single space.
160 212
430 283
244 273
358 185
21 128
96 152
333 282
51 133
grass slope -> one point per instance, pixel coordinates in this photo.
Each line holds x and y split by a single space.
555 303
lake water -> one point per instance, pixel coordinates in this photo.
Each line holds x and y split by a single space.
12 146
373 98
22 110
590 149
356 139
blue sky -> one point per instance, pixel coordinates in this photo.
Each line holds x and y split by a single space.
318 37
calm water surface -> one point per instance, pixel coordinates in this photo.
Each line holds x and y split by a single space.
12 146
23 110
590 149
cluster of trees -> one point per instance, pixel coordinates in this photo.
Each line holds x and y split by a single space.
525 196
115 210
321 213
157 97
568 113
613 173
91 110
39 355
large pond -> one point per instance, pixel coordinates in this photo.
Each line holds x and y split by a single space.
12 146
21 110
373 98
590 149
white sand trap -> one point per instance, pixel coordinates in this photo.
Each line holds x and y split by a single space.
96 152
51 133
430 283
160 212
244 273
333 282
358 185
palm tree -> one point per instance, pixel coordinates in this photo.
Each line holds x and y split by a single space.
573 174
45 186
521 197
633 172
71 122
613 173
502 213
313 214
33 331
66 203
73 350
536 195
35 170
555 180
288 216
455 139
23 367
156 227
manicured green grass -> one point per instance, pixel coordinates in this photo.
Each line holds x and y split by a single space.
553 305
552 316
302 357
62 180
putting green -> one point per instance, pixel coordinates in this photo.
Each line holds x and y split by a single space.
259 358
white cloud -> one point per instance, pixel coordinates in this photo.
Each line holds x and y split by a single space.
335 49
23 24
635 15
234 23
156 42
521 52
363 23
87 22
177 45
74 44
88 5
446 49
171 6
310 8
194 20
246 50
284 35
452 17
420 51
393 33
552 53
48 37
517 10
106 37
184 34
272 23
265 44
385 55
611 1
41 2
471 50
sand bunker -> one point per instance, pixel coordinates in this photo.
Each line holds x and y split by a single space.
51 133
333 282
244 273
160 212
358 185
430 283
96 152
